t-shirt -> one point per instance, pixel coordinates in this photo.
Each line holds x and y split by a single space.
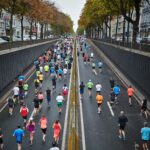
89 84
130 91
99 99
145 133
116 90
65 71
41 77
122 120
82 87
16 90
18 133
59 98
46 68
92 54
41 69
25 87
60 71
100 64
43 123
98 87
54 148
1 134
36 102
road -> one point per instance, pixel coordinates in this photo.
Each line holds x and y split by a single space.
101 131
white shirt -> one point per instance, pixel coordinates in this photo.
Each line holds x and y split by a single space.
98 87
92 54
59 98
41 69
65 71
16 90
54 148
58 56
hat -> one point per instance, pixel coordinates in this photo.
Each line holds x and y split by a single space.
90 80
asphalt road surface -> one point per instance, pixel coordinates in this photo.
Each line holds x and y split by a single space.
101 131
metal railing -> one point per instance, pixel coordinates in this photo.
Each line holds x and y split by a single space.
136 46
9 45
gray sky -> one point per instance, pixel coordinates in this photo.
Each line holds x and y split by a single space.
72 8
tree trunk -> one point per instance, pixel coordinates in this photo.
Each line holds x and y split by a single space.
11 27
36 30
135 31
123 35
31 24
21 20
41 34
116 28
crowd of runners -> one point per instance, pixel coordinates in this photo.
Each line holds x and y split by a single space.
85 53
54 64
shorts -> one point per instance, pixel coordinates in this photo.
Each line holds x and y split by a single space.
1 141
60 75
41 81
40 101
130 96
144 108
122 127
145 141
36 106
99 104
24 117
93 67
16 96
89 89
59 104
19 142
44 130
10 106
46 71
81 91
48 98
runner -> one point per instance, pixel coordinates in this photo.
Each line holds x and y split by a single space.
48 96
36 105
112 98
41 68
59 100
10 105
46 69
90 86
57 130
41 78
99 99
65 72
122 120
112 83
130 92
25 88
31 128
116 90
54 82
100 64
1 139
145 134
144 108
36 84
43 124
24 113
16 94
93 68
98 88
65 92
82 86
60 73
52 71
40 97
19 133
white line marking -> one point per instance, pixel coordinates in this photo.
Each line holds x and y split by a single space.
9 92
81 113
110 108
66 116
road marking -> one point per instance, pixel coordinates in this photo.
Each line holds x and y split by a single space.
66 116
110 108
81 113
11 90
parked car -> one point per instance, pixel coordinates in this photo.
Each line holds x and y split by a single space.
3 41
6 38
16 38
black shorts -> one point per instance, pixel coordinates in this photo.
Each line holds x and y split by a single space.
99 104
44 130
16 96
19 142
24 117
89 89
41 81
36 106
1 141
60 75
145 141
93 67
122 127
40 101
10 106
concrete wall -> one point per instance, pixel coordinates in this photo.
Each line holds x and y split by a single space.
135 66
12 64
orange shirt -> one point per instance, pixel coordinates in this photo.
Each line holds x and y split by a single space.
99 99
43 123
130 91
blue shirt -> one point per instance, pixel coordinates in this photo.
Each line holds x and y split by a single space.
52 70
100 64
60 71
145 133
116 90
21 78
18 133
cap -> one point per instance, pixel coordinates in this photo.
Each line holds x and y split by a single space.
90 80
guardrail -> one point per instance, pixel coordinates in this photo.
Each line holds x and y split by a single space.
9 45
138 46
